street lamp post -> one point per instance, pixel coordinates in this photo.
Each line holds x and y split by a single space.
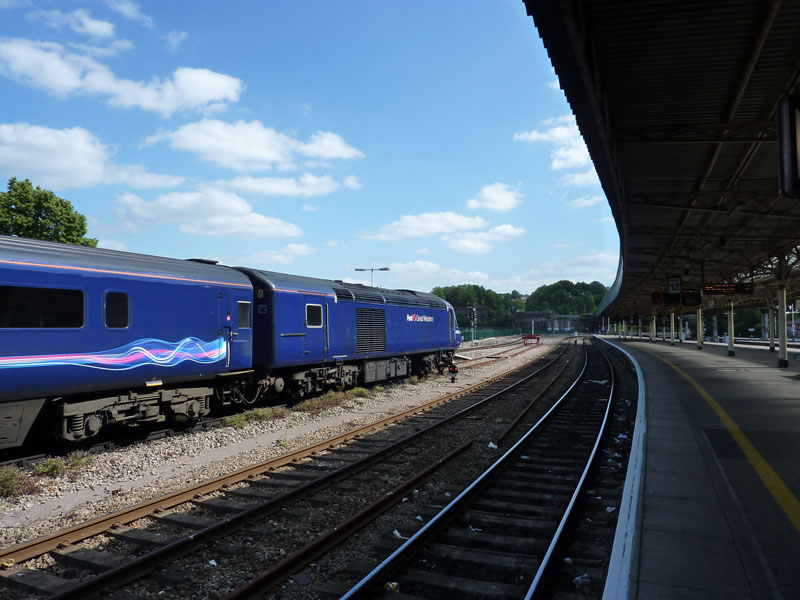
372 273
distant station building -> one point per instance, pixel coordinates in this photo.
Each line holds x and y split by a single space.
548 322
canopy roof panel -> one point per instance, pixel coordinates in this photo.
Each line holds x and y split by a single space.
677 103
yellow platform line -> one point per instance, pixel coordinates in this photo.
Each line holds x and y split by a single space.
774 484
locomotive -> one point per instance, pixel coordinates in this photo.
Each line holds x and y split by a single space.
91 337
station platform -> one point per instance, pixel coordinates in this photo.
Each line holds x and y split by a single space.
718 514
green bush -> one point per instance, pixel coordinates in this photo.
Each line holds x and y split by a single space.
330 399
319 404
267 413
16 482
50 467
79 460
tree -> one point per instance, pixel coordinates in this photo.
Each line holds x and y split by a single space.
499 306
565 297
35 213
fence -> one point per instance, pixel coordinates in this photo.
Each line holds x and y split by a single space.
482 334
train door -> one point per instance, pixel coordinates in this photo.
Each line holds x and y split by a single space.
235 316
241 334
316 327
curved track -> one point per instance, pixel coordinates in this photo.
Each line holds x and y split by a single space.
506 525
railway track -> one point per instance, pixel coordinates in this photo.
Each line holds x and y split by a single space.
538 522
274 500
491 359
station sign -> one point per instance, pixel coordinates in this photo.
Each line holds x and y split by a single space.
672 299
687 298
728 288
674 285
691 298
656 298
788 149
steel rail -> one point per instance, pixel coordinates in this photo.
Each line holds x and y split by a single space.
128 572
535 587
528 408
620 573
36 547
361 588
326 542
493 360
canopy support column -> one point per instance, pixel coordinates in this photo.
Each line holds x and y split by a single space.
783 356
672 328
731 350
699 328
771 326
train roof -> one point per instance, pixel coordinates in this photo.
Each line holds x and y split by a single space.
344 291
24 252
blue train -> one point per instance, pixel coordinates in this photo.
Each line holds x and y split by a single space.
92 337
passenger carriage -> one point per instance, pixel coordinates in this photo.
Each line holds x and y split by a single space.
123 332
92 337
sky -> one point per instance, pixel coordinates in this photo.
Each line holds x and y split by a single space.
308 137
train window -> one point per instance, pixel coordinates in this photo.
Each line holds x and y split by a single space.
244 315
117 310
29 307
313 315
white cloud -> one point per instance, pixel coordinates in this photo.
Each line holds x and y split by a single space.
113 49
50 67
311 207
306 185
560 246
554 85
327 145
598 265
332 243
497 196
175 39
585 202
352 182
424 275
479 242
130 10
584 179
569 148
138 177
605 220
111 245
79 21
210 212
68 158
284 256
246 146
426 224
423 251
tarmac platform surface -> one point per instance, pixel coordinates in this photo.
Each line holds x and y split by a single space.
719 515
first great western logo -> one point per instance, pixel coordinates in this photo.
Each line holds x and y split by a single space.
415 318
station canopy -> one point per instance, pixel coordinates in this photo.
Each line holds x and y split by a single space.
677 103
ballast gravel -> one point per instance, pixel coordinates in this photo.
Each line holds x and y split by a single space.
147 470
